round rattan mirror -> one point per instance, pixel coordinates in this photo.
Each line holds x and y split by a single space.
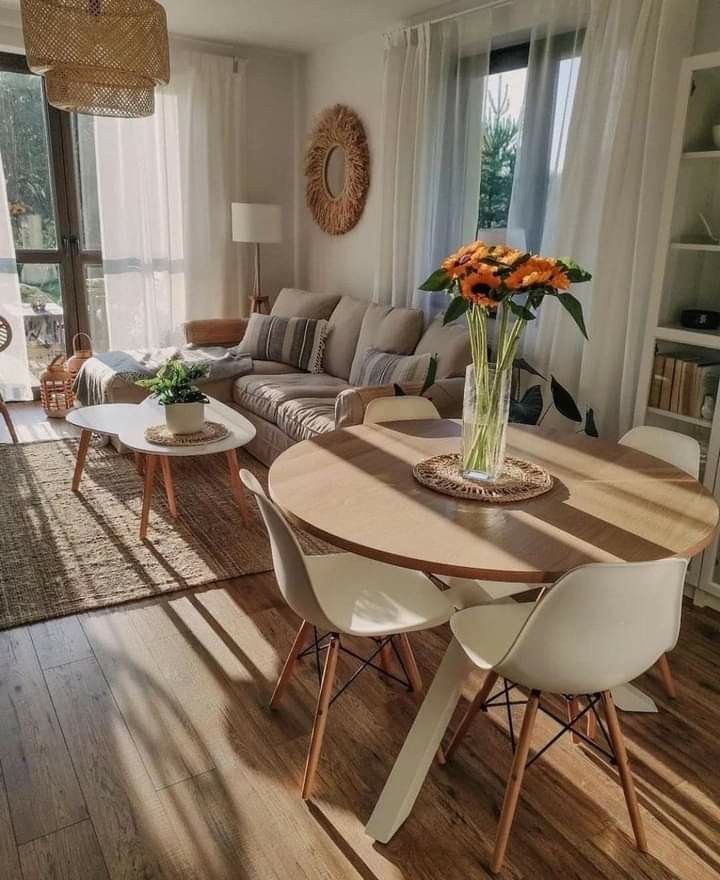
337 168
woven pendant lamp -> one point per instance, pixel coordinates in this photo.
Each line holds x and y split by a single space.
102 57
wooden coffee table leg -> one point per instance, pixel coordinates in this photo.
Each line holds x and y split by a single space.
169 484
150 465
236 485
8 420
140 463
85 438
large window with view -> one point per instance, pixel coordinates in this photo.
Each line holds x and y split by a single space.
48 160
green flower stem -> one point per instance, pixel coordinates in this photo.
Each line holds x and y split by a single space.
482 452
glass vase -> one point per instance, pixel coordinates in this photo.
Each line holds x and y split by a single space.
486 408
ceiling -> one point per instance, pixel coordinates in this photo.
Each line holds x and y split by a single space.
297 25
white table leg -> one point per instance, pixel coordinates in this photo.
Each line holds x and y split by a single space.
420 746
631 699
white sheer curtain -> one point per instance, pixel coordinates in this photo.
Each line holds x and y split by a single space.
432 113
436 80
602 210
165 184
15 379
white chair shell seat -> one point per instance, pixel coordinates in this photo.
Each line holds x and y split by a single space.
487 633
395 600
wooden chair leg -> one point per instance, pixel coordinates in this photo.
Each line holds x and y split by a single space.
591 731
169 484
472 711
8 421
301 640
411 667
618 743
236 485
512 793
386 658
573 710
85 438
663 666
149 486
323 705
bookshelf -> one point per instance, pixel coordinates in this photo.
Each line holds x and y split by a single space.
687 276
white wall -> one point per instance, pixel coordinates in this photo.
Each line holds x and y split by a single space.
346 73
707 30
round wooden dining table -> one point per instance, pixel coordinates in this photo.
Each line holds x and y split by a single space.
355 488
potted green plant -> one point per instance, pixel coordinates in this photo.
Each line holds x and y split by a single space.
184 402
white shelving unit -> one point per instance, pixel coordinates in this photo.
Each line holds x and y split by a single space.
687 275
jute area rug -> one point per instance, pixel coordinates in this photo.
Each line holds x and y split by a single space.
61 552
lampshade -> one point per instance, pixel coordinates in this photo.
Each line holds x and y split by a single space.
261 224
103 57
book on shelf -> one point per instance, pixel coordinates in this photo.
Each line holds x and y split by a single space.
681 381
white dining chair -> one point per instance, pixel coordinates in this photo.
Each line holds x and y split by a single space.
399 408
598 627
345 594
684 453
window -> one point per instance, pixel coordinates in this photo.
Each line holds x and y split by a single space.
528 93
49 163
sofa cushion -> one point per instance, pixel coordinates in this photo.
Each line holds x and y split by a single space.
306 417
451 343
294 303
263 395
345 323
385 328
271 368
296 341
381 368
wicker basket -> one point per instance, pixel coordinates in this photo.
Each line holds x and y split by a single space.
79 356
56 394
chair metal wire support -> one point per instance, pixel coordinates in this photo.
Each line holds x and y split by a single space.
322 642
502 698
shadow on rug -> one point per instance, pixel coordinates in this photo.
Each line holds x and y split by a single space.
61 552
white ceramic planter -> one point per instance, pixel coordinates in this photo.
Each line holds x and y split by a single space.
185 418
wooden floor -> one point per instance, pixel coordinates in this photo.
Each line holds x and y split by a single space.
136 743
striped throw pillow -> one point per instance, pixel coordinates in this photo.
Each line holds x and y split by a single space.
382 368
299 342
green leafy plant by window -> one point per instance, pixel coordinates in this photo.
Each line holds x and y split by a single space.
173 383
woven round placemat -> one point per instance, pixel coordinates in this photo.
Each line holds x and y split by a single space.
519 481
161 435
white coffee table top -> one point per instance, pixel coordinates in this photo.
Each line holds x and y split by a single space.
133 434
108 419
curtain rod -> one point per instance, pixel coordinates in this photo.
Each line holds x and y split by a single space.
490 4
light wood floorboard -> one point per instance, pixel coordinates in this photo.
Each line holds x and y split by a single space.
186 773
42 789
70 854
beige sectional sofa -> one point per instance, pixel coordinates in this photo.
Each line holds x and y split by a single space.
287 406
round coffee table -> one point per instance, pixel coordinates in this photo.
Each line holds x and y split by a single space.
132 435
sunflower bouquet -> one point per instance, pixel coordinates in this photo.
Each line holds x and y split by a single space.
509 285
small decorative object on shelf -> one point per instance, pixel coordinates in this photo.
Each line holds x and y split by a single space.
184 402
56 394
79 355
708 408
700 319
485 280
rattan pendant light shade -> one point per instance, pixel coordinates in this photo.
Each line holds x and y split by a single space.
102 57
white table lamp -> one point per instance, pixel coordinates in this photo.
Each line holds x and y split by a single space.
257 224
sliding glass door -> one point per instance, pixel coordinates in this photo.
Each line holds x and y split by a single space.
49 164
